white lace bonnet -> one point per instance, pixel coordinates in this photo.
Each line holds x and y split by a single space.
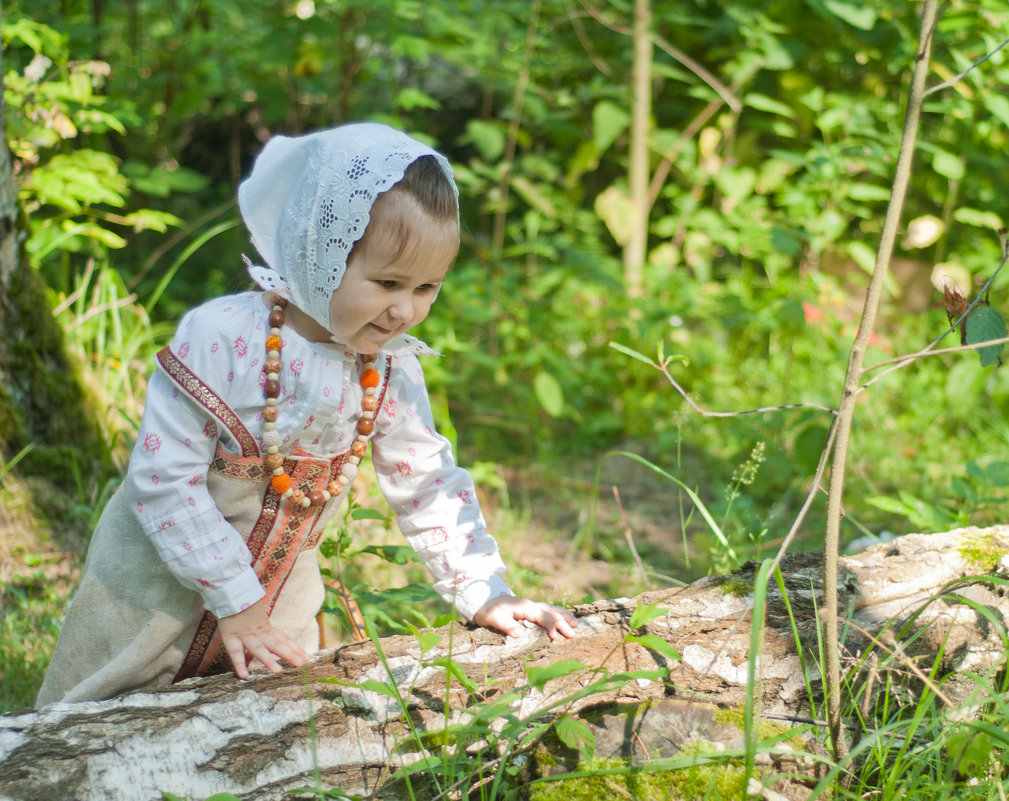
308 199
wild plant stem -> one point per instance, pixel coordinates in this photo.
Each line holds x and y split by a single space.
853 377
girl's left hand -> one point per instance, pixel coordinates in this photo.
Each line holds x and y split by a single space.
507 612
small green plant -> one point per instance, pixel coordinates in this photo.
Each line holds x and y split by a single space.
975 498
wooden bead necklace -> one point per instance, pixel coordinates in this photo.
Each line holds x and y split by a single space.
274 459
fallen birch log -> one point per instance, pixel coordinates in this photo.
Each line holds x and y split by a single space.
261 738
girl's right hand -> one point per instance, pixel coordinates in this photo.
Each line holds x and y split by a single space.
249 633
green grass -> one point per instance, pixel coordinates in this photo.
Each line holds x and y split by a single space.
31 606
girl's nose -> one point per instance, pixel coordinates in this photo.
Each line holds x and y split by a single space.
401 308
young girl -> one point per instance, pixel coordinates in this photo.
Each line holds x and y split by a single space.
258 417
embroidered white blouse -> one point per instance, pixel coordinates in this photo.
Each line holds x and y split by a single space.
223 343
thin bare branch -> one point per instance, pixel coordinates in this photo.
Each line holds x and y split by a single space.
706 413
960 76
846 408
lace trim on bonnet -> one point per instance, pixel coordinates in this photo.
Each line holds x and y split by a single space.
308 200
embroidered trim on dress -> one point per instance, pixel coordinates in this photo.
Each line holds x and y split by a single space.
189 383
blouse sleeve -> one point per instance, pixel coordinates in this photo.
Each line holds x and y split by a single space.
167 487
434 499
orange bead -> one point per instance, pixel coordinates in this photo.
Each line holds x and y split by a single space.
365 427
281 483
274 342
272 366
359 448
369 378
270 414
335 488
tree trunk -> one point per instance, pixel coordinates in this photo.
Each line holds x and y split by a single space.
41 401
641 115
261 738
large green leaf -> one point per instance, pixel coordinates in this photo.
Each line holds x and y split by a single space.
986 323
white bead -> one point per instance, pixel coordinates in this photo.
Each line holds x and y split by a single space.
371 390
273 354
268 426
271 401
272 377
326 495
354 459
343 479
278 471
305 502
289 493
271 438
348 470
275 332
273 449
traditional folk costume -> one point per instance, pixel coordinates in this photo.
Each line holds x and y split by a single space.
202 526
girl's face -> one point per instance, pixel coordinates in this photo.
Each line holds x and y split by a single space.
391 279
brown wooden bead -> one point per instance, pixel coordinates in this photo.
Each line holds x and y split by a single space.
270 414
271 389
365 427
276 319
316 498
369 403
274 460
359 448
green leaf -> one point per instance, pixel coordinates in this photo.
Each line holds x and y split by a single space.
633 354
393 554
645 614
455 670
411 98
770 105
655 643
970 751
948 165
861 16
998 474
487 137
608 121
367 514
427 640
539 676
576 734
151 220
868 192
549 393
986 323
978 218
381 687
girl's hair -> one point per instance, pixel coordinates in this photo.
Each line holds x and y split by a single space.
423 191
426 183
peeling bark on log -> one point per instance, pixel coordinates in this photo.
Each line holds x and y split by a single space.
255 739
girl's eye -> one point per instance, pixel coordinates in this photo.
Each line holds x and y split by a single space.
426 288
387 284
